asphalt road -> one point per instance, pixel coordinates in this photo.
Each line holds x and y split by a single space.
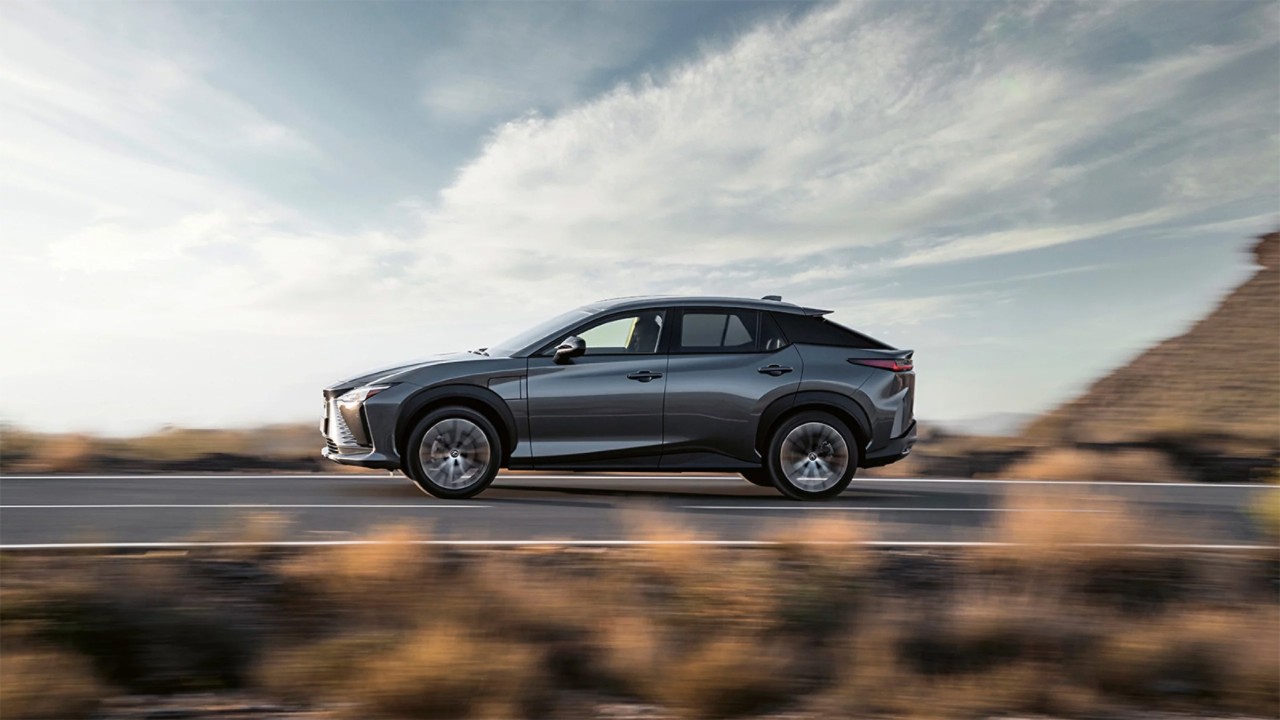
588 509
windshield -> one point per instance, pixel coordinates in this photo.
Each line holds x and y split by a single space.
534 334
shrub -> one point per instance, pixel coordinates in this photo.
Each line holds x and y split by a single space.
437 671
1228 659
47 683
385 581
726 677
1124 465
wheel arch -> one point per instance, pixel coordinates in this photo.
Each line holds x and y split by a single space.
845 408
482 400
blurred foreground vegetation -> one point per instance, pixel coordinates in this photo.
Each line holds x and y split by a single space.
1067 622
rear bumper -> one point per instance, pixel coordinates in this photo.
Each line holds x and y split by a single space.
893 451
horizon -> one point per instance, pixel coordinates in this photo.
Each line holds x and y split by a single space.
234 205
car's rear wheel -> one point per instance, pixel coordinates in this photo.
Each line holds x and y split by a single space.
453 453
759 477
812 456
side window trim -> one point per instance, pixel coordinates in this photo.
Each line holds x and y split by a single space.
588 323
677 330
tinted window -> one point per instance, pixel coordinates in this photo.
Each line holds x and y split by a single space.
771 337
812 330
629 334
718 331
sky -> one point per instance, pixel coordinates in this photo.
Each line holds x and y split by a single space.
210 210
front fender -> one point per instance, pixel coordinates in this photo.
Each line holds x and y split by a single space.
470 395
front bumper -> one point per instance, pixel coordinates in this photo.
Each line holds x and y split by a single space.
369 459
893 451
363 434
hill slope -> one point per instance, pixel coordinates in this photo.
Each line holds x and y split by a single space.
1220 379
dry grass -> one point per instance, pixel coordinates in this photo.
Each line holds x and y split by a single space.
725 677
634 651
1063 622
1018 649
449 671
1051 518
1123 465
47 683
827 541
1266 509
66 454
292 447
672 552
702 651
439 670
388 556
1229 657
1069 563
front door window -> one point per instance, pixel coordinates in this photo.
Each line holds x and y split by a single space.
636 334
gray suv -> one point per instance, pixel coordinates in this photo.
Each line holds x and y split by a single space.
768 389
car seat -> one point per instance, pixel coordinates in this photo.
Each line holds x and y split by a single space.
644 336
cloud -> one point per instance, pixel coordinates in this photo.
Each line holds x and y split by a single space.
850 128
832 157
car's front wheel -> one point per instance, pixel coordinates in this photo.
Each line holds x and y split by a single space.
760 477
453 453
812 456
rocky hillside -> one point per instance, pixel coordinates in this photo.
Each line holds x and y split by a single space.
1218 383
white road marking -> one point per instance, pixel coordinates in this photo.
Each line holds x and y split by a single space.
212 476
597 543
363 476
1104 483
882 509
595 478
241 506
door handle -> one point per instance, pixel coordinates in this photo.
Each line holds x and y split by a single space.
644 376
774 370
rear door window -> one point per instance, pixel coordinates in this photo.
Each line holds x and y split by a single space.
771 337
718 331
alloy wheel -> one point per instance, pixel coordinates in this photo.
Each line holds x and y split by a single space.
454 453
814 457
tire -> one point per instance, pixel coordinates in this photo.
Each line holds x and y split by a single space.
812 456
759 478
453 453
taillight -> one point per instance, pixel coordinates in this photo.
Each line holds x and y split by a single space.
894 365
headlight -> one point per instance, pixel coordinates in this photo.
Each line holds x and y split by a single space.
361 394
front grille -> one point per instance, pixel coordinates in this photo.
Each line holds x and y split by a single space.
341 433
338 434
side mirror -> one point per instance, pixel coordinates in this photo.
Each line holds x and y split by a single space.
572 347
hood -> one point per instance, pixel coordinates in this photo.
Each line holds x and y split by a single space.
391 374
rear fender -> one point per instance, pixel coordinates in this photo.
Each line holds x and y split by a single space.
836 403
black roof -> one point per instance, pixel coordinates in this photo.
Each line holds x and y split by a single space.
654 301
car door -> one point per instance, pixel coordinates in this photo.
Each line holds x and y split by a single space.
602 409
726 365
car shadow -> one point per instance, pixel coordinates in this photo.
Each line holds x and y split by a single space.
622 488
729 495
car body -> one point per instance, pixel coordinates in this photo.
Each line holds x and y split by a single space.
665 384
